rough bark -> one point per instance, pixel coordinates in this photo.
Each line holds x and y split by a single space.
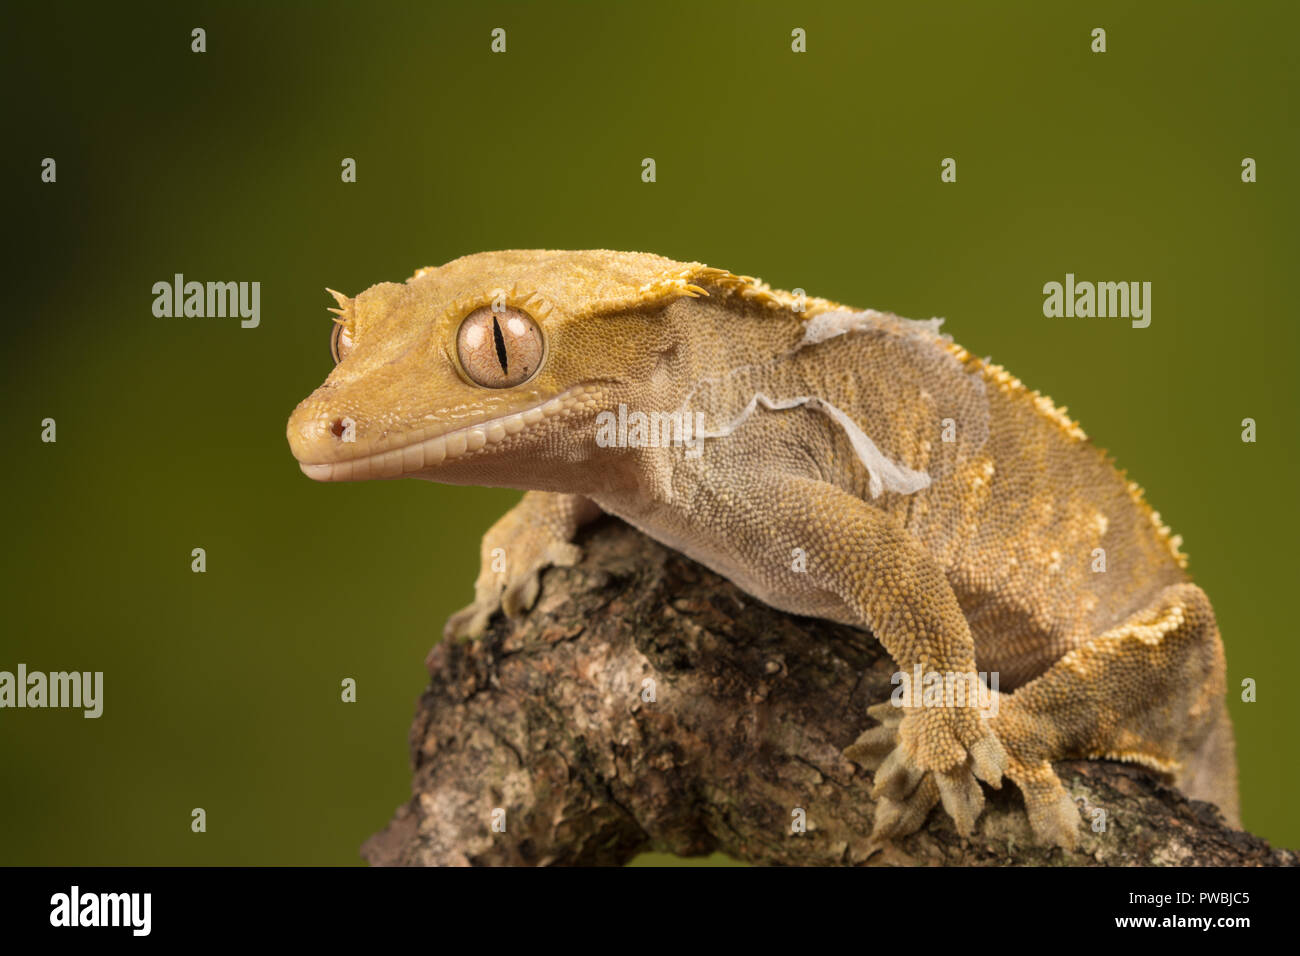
547 719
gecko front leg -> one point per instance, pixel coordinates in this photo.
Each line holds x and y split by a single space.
883 579
535 534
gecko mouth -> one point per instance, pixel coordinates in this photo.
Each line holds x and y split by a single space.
425 453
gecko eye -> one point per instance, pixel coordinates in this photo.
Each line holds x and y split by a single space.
340 343
499 349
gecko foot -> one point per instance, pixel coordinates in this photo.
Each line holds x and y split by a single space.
513 591
924 756
907 795
1053 816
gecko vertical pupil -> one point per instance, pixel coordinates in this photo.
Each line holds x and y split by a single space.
499 348
500 342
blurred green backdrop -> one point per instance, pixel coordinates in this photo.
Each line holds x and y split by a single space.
816 170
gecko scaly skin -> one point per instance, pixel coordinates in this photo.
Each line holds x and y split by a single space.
832 462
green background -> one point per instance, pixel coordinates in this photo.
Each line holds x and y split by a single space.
818 170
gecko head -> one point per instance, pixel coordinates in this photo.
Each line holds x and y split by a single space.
489 370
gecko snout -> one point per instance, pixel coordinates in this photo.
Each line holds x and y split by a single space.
315 433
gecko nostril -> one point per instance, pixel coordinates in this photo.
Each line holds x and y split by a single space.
337 428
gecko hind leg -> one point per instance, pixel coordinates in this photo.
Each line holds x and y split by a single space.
1148 691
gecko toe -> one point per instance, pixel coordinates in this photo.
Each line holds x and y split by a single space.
872 747
468 623
1053 815
521 594
962 798
1056 823
898 818
563 555
897 777
887 712
989 760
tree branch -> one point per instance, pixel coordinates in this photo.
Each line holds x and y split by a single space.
545 720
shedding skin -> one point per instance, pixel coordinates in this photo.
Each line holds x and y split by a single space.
855 466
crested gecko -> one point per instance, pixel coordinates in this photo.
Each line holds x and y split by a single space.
924 494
